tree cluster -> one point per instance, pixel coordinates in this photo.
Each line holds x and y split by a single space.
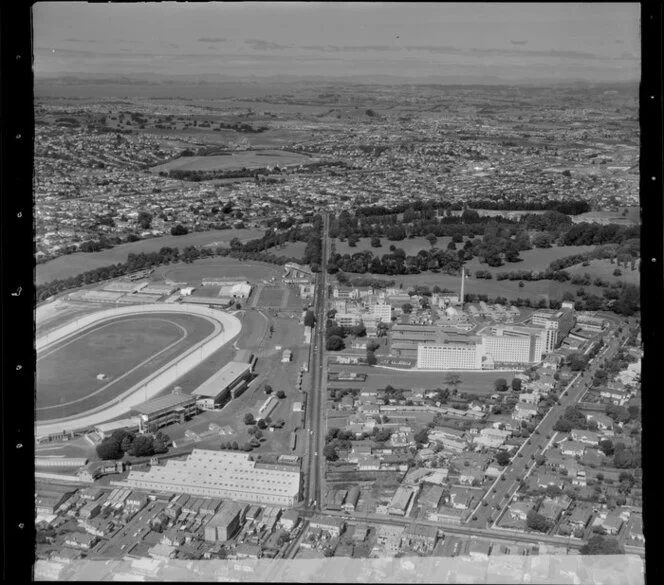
122 441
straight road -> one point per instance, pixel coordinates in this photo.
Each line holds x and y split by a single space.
505 486
317 400
465 531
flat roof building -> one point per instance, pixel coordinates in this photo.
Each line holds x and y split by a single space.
222 474
224 524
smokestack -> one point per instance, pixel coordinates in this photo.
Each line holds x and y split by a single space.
463 275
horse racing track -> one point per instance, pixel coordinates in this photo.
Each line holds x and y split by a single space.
121 351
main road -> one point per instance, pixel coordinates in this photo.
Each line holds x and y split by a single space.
497 497
317 400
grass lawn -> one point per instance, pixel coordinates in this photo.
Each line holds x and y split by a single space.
217 268
74 264
271 296
126 350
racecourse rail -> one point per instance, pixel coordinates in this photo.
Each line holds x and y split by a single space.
227 327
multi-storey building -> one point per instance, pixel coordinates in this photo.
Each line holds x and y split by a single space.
164 410
557 324
449 356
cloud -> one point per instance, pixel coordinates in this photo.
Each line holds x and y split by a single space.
74 41
351 49
258 45
211 40
519 42
502 52
171 45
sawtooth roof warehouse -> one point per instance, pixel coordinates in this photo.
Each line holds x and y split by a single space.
222 474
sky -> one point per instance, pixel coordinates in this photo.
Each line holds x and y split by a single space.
596 42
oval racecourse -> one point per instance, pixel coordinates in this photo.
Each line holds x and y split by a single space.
140 349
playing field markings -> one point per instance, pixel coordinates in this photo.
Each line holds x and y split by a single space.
185 334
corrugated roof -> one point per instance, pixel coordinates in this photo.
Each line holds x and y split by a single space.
222 380
163 402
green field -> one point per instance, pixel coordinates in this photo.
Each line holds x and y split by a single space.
217 268
126 350
234 161
74 264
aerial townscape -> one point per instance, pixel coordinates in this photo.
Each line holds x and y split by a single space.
318 318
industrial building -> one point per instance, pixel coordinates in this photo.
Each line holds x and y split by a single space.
400 501
225 523
417 333
165 410
229 382
450 356
512 349
222 474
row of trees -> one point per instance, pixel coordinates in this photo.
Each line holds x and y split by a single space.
252 250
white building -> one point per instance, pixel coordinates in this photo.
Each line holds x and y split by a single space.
449 356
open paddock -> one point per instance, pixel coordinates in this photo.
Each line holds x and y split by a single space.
233 161
603 269
411 246
535 259
74 264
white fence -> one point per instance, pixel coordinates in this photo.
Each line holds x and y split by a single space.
226 328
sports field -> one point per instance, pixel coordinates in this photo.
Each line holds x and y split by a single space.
233 161
126 350
217 268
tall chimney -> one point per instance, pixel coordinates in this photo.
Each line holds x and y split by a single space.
463 274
